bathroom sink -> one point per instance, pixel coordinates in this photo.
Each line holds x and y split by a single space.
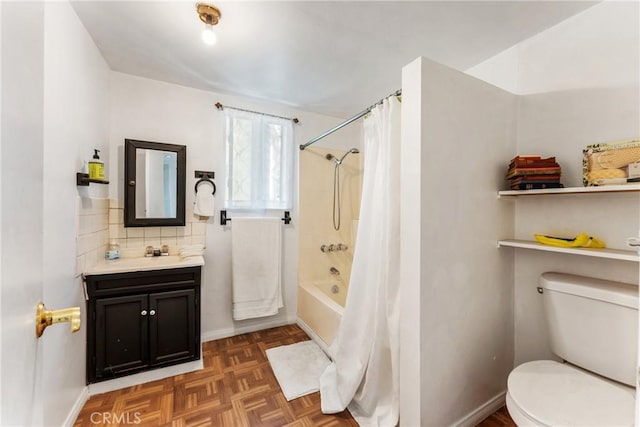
124 265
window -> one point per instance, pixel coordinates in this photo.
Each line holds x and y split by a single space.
259 161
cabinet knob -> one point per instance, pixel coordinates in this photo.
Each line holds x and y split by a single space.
143 312
152 313
132 183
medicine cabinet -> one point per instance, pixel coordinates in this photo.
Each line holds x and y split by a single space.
154 193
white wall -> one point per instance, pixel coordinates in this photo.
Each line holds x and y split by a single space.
412 156
155 111
76 81
580 82
463 135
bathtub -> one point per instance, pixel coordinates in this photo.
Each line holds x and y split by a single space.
320 310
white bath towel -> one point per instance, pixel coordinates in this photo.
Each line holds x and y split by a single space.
256 254
204 204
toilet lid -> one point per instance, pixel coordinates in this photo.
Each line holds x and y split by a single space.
556 394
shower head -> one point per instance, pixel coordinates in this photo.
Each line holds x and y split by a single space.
352 151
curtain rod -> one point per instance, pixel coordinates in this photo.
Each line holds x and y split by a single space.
350 120
221 107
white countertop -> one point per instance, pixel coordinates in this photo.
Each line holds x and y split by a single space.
125 265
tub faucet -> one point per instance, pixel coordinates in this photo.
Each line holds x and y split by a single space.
334 271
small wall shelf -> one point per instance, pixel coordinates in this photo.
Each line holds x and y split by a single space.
83 180
572 190
618 254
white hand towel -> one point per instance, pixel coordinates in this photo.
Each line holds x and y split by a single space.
256 258
204 204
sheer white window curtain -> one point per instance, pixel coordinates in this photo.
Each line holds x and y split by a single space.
259 161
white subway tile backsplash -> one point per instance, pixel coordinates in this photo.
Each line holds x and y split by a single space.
198 229
116 216
152 241
95 241
135 232
103 220
171 241
135 243
101 205
184 231
168 232
183 241
117 231
151 232
84 244
93 257
92 231
84 224
131 252
199 240
80 264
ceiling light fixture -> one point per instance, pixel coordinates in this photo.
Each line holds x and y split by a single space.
210 15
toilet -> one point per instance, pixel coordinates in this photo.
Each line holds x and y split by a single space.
593 326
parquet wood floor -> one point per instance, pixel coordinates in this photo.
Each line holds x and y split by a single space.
236 388
500 418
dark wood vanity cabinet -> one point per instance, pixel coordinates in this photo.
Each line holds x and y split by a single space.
142 320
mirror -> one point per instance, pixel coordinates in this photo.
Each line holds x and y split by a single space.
154 184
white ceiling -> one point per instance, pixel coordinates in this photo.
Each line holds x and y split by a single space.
333 58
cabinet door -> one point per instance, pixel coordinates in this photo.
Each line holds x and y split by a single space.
121 335
172 326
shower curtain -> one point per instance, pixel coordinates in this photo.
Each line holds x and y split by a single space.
364 372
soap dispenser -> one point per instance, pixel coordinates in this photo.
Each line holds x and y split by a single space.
96 167
113 250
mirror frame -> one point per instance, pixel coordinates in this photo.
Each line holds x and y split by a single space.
130 219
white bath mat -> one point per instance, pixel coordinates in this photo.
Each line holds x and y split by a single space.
298 367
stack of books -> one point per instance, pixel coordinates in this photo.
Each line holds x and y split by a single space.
533 172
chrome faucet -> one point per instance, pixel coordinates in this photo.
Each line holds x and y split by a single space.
334 248
334 271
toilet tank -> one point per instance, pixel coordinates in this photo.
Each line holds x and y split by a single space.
593 323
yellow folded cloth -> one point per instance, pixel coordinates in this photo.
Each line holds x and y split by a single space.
595 176
582 240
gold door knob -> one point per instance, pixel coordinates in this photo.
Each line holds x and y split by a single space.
45 317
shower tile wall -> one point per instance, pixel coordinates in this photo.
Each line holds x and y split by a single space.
133 240
316 224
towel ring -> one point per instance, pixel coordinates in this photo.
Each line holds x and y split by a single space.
201 180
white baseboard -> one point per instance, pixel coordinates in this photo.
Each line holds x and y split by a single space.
77 407
323 345
230 332
144 377
483 411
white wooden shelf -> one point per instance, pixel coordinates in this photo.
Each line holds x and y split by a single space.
572 190
617 254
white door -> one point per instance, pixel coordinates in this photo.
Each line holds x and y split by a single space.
634 242
21 213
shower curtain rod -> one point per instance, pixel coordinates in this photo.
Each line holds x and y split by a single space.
221 107
348 121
